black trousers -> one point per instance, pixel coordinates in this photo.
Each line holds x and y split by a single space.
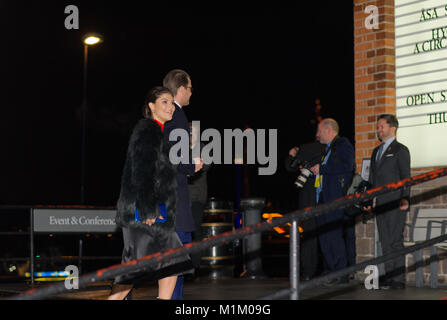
197 213
309 248
390 225
349 236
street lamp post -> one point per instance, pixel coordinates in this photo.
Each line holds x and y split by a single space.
88 40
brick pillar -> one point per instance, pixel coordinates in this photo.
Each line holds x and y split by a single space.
375 92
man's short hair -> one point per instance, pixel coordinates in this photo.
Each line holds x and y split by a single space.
175 79
331 123
390 119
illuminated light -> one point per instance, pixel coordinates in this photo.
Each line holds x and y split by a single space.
271 215
47 274
279 230
92 39
420 82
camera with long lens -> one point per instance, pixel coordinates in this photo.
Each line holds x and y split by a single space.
304 174
309 154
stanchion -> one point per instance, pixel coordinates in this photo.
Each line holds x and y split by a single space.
252 208
31 236
294 261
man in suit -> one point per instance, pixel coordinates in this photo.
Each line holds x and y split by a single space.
390 162
333 175
310 153
198 191
179 82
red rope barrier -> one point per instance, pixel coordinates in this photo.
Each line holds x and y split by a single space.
147 261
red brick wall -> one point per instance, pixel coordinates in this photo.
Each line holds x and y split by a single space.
375 85
374 63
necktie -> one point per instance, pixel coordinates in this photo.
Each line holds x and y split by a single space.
380 152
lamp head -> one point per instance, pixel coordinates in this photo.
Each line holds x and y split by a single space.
91 39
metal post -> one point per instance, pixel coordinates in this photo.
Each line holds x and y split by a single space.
294 261
84 126
252 208
31 235
80 256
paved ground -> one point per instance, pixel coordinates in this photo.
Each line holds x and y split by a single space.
247 289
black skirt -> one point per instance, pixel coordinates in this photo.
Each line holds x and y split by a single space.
138 243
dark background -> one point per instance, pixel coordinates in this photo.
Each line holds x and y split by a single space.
252 63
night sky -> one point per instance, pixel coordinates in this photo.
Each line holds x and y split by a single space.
259 64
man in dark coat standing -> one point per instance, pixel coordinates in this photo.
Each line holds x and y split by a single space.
309 153
179 82
390 162
333 175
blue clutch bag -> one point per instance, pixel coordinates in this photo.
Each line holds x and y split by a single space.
162 208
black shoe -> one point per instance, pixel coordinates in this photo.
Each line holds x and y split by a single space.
129 295
333 282
305 278
396 285
385 285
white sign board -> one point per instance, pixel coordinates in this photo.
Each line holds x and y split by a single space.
421 79
74 221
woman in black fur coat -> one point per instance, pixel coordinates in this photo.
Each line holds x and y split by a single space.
147 203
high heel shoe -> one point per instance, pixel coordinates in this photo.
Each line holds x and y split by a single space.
129 295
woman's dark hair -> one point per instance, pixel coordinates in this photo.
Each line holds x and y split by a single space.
152 96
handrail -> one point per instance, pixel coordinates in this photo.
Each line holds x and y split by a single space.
304 214
53 206
360 266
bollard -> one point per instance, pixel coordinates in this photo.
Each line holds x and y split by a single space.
217 262
252 212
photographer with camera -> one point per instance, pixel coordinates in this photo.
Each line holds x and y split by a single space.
333 176
301 160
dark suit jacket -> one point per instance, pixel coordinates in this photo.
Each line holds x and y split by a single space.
338 170
393 166
198 186
185 221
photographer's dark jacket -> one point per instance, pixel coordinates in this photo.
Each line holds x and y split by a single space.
148 179
337 172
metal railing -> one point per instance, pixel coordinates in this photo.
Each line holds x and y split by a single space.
31 235
294 217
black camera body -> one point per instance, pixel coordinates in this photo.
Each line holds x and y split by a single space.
304 173
307 156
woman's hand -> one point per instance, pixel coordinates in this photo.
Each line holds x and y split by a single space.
150 222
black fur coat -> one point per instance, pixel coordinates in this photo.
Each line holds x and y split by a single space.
148 179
